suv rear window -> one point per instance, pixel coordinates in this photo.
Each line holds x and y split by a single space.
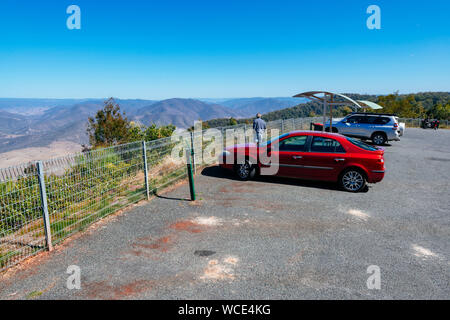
381 120
361 144
374 120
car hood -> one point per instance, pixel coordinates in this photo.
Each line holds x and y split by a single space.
335 120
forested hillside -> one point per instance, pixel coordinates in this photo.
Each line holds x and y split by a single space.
418 105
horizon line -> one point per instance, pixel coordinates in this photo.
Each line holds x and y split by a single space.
198 98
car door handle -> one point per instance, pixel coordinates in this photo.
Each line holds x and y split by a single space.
297 157
339 159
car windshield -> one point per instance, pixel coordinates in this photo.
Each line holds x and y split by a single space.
361 144
274 139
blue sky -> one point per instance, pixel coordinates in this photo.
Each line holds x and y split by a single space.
221 48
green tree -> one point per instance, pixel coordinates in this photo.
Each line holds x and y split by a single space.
403 106
346 110
440 111
166 131
233 121
135 132
109 126
205 125
154 132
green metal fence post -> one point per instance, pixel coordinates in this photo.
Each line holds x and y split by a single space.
245 133
190 174
45 217
144 155
193 152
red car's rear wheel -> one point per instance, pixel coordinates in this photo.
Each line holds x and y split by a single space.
353 180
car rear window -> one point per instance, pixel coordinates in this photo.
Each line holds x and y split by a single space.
361 144
322 144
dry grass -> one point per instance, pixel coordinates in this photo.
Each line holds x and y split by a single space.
56 149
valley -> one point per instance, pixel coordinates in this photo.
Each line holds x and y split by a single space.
39 123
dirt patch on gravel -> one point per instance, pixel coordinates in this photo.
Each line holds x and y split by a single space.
162 244
219 271
241 187
187 225
273 227
269 206
107 291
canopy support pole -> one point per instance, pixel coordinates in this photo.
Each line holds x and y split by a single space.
331 112
324 111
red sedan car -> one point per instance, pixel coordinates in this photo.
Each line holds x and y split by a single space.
310 155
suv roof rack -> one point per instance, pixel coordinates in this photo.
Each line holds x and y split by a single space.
375 114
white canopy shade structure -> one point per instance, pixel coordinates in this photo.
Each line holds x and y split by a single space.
369 104
327 98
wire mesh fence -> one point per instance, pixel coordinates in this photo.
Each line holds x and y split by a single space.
417 123
85 187
21 230
82 188
164 169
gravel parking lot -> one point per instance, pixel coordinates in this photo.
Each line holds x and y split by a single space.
267 239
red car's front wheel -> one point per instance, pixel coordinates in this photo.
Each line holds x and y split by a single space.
245 170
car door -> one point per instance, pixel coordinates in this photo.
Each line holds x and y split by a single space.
291 153
351 126
365 126
325 160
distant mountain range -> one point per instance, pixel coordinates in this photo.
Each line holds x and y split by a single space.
39 122
250 106
182 112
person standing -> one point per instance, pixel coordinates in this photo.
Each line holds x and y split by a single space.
259 125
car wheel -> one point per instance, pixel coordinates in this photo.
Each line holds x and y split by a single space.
245 170
353 180
378 139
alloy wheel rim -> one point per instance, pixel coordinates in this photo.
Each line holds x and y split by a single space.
378 139
244 170
352 180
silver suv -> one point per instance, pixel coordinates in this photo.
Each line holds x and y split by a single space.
379 127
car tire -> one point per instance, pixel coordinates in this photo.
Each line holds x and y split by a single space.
245 171
379 138
353 180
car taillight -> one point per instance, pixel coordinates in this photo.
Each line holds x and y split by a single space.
395 126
